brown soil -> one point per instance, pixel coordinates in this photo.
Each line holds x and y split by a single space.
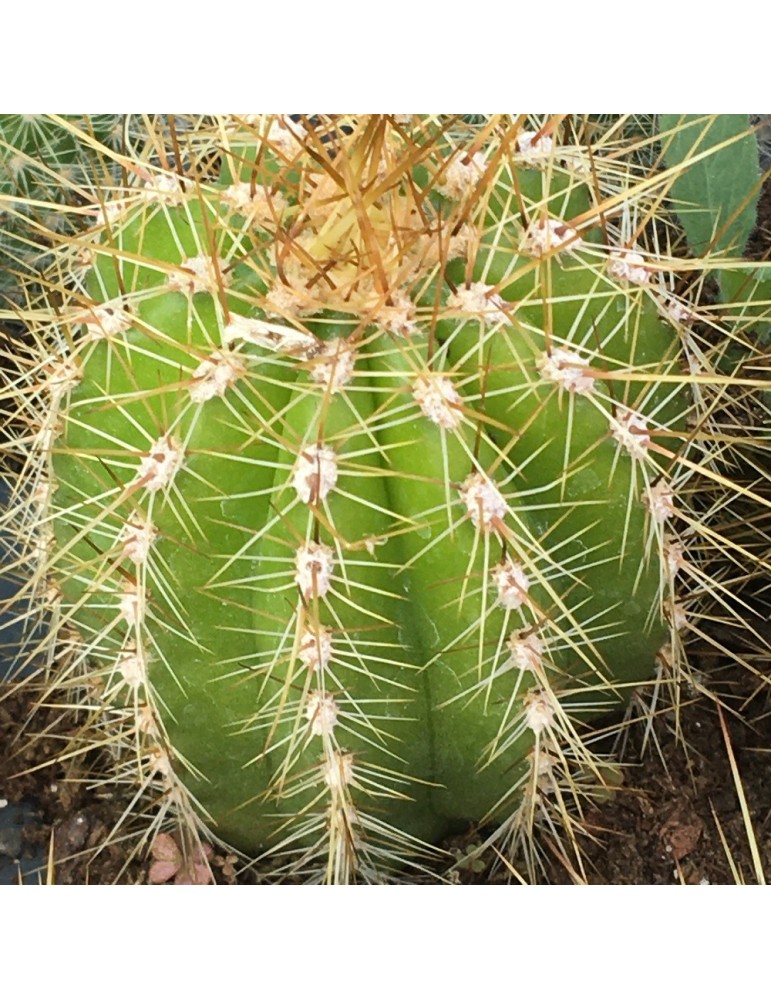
679 817
666 824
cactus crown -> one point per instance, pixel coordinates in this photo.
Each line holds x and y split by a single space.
365 463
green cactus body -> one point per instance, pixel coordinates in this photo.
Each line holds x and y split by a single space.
362 490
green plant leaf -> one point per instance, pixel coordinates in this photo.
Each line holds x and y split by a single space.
716 191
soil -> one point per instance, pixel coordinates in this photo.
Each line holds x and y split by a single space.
694 806
676 817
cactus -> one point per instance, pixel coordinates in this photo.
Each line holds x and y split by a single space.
45 165
717 191
54 172
365 467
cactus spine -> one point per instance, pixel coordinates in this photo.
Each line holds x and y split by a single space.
364 480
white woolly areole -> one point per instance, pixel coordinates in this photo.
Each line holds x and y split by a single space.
477 300
288 139
544 770
693 361
679 312
314 563
539 711
526 651
631 432
543 236
137 538
111 211
462 175
131 667
338 771
160 763
215 375
459 244
485 504
315 650
199 274
512 584
371 543
42 493
321 711
674 556
47 433
659 500
439 400
333 366
567 370
52 594
285 300
532 148
158 469
665 656
259 205
315 473
166 189
397 317
41 549
147 722
629 266
676 615
63 376
576 160
131 605
107 321
272 336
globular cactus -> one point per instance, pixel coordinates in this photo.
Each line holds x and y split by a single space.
364 467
